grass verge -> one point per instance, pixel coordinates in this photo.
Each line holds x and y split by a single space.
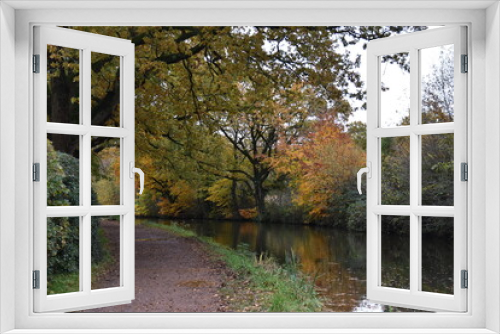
257 284
63 283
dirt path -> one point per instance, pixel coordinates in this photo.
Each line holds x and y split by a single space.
172 274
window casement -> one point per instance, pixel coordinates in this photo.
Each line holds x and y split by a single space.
475 313
415 135
55 216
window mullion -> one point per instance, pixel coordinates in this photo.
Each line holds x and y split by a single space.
86 117
86 263
414 171
85 243
81 163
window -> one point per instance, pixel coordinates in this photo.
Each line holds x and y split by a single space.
482 243
65 208
429 143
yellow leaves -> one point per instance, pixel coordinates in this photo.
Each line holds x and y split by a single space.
220 194
107 191
184 196
62 61
106 176
322 165
104 78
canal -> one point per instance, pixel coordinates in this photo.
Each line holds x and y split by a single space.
334 258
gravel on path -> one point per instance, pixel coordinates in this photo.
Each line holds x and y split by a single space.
172 274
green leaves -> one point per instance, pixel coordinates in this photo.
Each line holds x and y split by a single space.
63 233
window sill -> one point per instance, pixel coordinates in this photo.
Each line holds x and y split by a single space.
254 331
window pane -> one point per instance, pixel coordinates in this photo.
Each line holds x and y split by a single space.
63 170
105 171
437 169
63 85
395 183
105 89
437 254
395 90
105 252
396 252
63 255
437 84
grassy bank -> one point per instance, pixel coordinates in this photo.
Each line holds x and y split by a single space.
258 284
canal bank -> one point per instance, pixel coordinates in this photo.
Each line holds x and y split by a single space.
178 271
334 258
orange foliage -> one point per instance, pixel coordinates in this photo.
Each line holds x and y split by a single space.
320 166
248 213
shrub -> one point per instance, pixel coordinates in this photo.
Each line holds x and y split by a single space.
63 233
356 215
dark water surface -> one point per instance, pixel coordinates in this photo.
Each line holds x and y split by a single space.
334 258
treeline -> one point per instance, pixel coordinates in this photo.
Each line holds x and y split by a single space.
250 122
310 181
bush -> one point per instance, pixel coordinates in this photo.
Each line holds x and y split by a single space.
356 215
62 245
281 209
71 176
63 233
290 214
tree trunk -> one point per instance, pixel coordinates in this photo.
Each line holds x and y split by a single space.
235 208
62 110
259 195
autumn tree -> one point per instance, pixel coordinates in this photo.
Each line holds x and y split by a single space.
321 166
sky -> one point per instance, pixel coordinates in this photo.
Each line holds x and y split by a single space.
397 97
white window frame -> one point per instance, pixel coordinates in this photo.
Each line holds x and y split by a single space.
414 296
85 43
483 125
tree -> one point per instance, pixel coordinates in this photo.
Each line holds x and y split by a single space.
437 161
321 166
438 89
438 150
357 130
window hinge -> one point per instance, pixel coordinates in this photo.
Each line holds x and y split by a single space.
465 64
36 172
465 279
36 63
464 171
36 279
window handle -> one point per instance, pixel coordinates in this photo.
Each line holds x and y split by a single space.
134 170
368 171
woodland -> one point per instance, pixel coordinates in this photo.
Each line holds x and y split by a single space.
245 123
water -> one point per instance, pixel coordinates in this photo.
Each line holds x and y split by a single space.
335 258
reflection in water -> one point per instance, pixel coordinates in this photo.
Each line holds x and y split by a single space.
335 258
